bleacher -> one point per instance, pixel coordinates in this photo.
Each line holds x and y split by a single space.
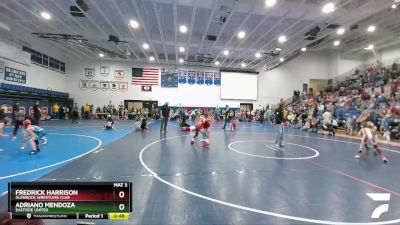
5 87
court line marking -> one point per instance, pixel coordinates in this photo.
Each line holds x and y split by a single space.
329 139
59 163
273 157
244 207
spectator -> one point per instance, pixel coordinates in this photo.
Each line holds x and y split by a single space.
56 109
75 113
37 114
86 111
15 110
227 111
165 110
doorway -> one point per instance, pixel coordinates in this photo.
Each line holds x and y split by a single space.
246 106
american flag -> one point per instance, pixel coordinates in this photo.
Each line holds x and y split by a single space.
147 77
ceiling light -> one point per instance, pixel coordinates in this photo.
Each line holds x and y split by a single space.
394 6
181 49
45 15
183 29
151 58
180 60
134 24
216 63
336 43
328 7
226 52
370 47
101 55
243 65
303 49
282 39
146 46
340 31
258 55
270 3
371 28
282 59
278 49
241 34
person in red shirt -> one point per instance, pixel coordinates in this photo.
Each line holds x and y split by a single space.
202 126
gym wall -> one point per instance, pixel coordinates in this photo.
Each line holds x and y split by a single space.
185 95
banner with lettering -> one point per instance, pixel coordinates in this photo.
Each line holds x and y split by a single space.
217 78
182 76
208 78
14 75
191 77
200 77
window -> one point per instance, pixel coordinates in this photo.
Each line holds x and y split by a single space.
38 58
51 63
62 67
44 60
57 65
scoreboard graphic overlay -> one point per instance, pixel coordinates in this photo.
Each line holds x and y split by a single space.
70 200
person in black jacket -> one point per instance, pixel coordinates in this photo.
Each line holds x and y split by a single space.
36 114
165 109
15 110
279 120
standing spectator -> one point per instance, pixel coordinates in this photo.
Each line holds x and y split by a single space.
165 109
36 114
227 111
66 112
15 110
217 113
86 110
270 114
279 120
56 109
75 113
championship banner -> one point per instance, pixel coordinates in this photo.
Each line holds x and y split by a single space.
146 88
119 74
208 78
169 78
182 76
114 86
94 85
104 71
200 77
191 77
84 84
123 86
217 78
104 85
89 73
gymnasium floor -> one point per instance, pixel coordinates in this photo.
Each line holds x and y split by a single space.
239 179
